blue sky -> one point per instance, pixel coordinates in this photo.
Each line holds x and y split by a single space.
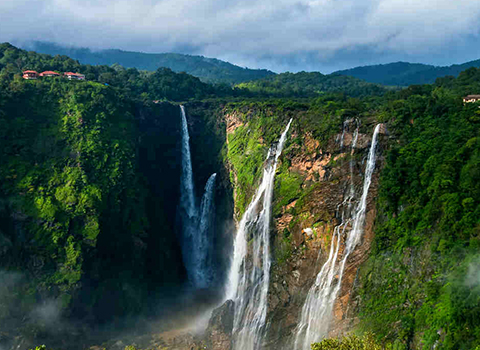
280 35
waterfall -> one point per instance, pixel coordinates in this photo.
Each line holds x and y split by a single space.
344 126
249 277
317 309
187 191
203 240
197 240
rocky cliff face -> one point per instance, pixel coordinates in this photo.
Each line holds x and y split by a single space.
303 228
310 223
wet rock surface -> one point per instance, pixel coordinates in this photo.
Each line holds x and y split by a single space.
220 326
311 226
302 234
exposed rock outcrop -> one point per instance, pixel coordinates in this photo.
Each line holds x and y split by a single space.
311 225
233 121
302 234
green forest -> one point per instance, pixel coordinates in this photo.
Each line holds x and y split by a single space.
209 70
312 84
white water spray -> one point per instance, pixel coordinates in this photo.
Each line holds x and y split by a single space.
317 310
249 278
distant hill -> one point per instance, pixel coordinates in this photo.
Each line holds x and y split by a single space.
404 73
162 84
209 70
308 84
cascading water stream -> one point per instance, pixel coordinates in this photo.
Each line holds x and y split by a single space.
249 276
187 191
203 240
317 309
197 241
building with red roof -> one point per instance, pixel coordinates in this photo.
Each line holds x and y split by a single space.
30 75
49 73
74 76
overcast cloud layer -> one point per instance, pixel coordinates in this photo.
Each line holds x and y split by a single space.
275 34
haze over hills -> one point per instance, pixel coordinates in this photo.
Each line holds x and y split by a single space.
405 74
209 70
212 70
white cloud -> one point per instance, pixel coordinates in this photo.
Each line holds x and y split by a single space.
251 31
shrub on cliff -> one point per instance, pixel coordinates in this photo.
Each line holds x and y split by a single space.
350 342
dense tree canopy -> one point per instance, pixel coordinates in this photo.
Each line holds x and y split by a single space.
312 84
162 84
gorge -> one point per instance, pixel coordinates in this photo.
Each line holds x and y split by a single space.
267 223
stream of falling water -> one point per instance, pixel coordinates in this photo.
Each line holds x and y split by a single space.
249 275
203 242
197 240
317 311
187 190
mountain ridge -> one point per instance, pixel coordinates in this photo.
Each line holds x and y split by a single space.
210 70
405 73
216 71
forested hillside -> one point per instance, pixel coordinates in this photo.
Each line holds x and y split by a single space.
312 84
419 286
405 74
209 70
76 219
163 84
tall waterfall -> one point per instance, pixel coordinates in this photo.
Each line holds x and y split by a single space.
317 310
249 276
197 240
187 191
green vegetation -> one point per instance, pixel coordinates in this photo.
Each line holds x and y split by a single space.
287 187
209 70
163 84
418 285
66 155
247 150
350 342
262 124
81 210
313 84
